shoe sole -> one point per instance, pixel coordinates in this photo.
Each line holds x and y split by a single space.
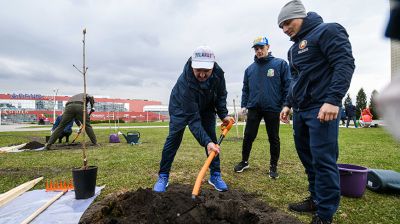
239 171
220 190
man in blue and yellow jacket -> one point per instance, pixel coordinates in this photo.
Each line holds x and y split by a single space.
265 87
322 65
198 95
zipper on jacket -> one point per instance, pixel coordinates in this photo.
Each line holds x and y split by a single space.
291 61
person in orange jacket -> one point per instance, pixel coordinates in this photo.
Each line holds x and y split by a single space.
366 111
366 116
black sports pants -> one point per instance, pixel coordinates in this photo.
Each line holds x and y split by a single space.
272 126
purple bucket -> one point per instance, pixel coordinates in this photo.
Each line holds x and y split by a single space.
114 138
353 180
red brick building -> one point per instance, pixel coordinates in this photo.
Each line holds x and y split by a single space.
17 108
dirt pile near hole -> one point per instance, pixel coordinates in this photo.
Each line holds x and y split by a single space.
177 206
33 145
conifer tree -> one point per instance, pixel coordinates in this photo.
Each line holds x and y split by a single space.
361 102
372 104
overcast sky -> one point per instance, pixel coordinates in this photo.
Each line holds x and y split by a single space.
137 49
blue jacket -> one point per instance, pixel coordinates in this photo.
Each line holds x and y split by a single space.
321 64
351 110
190 100
266 84
67 129
342 113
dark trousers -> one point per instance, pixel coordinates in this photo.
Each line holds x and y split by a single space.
72 110
174 140
343 120
351 118
66 135
272 126
317 147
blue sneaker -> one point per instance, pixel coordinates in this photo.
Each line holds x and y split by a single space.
216 181
162 183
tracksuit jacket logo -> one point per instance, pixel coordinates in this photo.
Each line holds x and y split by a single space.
302 46
270 72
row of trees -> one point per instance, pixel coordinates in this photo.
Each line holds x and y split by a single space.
361 102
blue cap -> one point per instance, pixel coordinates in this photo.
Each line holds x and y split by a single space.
260 41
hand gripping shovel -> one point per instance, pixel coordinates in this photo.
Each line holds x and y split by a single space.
225 129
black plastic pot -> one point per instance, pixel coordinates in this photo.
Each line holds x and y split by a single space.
84 181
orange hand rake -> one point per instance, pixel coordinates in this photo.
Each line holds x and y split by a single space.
51 186
59 186
202 173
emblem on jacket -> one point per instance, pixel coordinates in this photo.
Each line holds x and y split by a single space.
302 47
270 72
302 44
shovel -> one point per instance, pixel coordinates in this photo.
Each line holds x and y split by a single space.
211 156
80 129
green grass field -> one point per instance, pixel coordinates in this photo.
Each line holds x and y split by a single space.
126 167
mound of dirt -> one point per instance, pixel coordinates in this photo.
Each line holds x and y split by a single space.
33 145
176 206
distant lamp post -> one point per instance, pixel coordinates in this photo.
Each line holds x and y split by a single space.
54 106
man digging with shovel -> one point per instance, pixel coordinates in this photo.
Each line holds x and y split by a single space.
74 110
198 95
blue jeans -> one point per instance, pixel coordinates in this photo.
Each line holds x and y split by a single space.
317 147
174 140
351 118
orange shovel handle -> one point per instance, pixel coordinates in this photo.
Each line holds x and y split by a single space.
202 173
228 127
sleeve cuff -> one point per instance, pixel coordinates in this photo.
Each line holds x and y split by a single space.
332 101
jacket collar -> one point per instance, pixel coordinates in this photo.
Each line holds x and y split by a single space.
263 60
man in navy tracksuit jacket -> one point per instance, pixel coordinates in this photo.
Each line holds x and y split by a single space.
198 95
322 66
265 86
351 114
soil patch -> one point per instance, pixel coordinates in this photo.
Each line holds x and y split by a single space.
33 145
176 206
75 145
